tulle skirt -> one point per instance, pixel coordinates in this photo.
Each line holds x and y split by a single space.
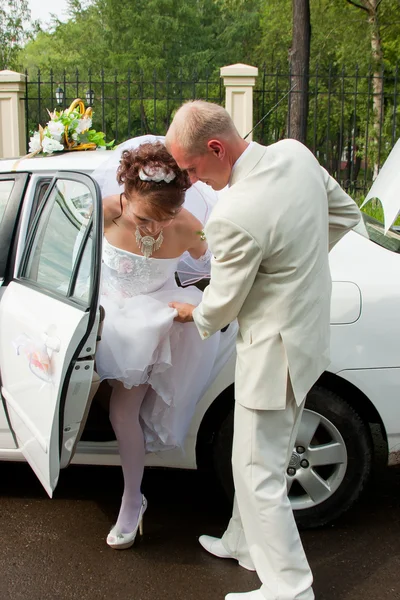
141 343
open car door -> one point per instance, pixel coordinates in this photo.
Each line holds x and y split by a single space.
48 322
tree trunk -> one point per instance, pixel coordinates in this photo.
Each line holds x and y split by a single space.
299 64
371 7
377 56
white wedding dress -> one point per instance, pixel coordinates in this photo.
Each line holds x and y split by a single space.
141 343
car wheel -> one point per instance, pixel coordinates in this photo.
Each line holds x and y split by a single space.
330 464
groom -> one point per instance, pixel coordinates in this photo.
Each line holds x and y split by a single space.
270 234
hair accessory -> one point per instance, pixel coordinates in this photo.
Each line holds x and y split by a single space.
156 174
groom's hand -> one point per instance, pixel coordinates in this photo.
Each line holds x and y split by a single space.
184 311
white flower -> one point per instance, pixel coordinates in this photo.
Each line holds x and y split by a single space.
75 136
34 143
83 124
56 129
50 145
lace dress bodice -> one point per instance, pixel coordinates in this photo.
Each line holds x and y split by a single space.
125 274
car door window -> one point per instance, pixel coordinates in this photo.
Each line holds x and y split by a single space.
40 191
61 248
81 291
12 193
6 188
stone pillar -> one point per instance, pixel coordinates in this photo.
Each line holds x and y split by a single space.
12 114
239 81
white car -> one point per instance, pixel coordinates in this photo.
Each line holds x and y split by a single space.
53 411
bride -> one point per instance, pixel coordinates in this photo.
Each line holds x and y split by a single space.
157 368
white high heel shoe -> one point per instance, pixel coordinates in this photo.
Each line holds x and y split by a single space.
122 541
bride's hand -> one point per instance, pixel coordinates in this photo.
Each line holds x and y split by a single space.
184 311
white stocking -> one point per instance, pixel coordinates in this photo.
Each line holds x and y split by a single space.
124 416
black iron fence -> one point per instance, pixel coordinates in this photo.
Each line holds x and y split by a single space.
352 119
351 123
124 106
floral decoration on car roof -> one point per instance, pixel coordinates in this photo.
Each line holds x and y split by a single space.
67 130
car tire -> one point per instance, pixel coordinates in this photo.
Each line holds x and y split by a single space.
342 429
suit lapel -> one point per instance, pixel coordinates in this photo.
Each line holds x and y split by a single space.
248 163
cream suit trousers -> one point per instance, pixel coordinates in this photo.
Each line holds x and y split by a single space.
262 530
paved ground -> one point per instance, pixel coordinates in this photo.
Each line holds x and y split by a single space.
55 549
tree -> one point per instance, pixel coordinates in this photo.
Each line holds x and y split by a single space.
161 34
13 14
300 67
371 8
239 30
77 44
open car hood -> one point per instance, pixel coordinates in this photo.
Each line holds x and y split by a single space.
386 187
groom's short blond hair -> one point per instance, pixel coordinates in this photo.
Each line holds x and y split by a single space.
196 122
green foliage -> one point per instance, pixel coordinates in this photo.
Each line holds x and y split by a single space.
13 17
200 35
147 35
340 34
96 137
197 35
78 43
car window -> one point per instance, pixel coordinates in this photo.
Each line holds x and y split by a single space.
83 280
6 187
40 191
374 230
60 239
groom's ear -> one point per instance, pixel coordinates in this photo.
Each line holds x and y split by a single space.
216 148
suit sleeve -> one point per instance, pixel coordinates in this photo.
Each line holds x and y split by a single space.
344 213
234 266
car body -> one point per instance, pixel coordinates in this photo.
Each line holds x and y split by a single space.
54 412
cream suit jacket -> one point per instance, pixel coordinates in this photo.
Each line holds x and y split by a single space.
270 234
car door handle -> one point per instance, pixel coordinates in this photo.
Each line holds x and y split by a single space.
52 343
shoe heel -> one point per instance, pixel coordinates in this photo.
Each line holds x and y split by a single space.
141 527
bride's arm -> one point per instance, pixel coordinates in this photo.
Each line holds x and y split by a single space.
192 232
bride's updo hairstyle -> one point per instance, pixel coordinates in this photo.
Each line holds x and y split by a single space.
165 198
